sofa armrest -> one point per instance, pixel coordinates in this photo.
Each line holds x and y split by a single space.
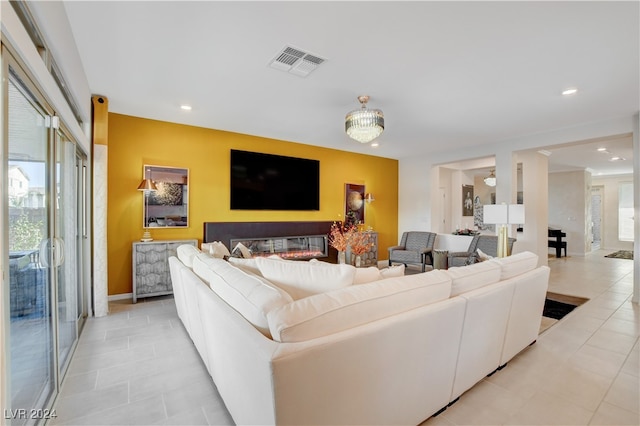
395 248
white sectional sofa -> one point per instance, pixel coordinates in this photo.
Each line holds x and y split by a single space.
391 351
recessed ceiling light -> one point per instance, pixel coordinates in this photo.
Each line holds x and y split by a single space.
617 159
375 144
602 149
185 107
569 92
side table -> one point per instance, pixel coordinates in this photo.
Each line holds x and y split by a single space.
440 259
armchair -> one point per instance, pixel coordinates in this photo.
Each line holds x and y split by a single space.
486 243
415 247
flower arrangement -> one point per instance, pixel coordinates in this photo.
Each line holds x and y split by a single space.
340 235
360 243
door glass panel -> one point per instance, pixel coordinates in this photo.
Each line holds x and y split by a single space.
64 247
31 333
81 312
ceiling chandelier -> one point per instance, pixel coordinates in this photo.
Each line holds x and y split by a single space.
491 179
364 125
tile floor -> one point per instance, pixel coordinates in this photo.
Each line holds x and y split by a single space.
138 366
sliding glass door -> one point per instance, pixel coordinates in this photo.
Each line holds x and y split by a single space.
65 231
31 332
45 178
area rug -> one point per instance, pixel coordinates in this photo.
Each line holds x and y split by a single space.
622 254
556 306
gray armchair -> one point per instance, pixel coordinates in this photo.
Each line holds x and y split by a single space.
415 247
486 243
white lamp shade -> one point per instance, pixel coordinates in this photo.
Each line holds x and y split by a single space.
516 214
495 213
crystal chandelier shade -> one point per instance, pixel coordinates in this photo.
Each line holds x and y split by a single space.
364 125
491 179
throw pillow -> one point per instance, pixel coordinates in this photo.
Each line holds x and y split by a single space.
219 250
240 250
366 275
482 256
303 279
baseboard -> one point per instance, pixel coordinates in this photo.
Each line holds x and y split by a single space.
122 296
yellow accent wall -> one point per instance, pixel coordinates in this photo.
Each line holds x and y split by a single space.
134 142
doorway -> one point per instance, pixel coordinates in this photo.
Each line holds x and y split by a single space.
596 217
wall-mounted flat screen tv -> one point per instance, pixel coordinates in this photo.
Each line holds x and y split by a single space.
273 182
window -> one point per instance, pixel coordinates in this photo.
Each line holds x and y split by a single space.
625 211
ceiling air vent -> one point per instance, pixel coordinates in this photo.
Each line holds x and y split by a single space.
296 61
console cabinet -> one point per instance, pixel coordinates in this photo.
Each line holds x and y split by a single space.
370 258
151 276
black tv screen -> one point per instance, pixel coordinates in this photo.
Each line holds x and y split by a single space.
273 182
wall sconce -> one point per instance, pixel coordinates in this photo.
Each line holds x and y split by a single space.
368 197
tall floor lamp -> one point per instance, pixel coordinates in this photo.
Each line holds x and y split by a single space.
146 186
503 215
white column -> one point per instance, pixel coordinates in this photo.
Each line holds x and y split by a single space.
535 188
506 177
100 272
636 208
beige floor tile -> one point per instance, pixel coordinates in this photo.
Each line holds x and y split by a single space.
624 393
624 326
608 414
631 364
88 403
145 412
79 383
599 361
520 379
189 417
547 409
612 341
579 386
84 364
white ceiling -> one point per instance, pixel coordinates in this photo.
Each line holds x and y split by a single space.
448 75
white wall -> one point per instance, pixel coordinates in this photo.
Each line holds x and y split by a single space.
568 208
610 185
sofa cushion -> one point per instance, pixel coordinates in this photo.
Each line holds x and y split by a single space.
516 264
247 265
327 313
366 275
201 267
252 296
303 279
470 277
186 253
392 271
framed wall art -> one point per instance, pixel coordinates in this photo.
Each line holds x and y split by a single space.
168 204
353 204
467 200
